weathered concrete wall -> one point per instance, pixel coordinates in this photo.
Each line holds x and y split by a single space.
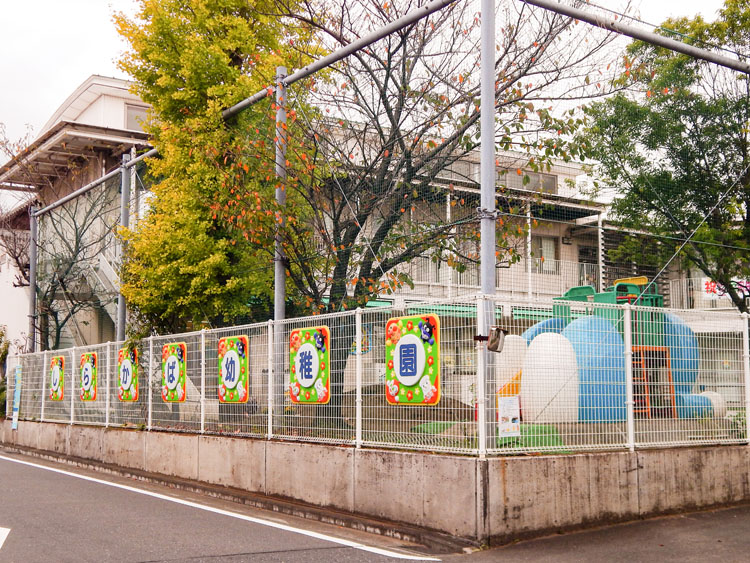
498 498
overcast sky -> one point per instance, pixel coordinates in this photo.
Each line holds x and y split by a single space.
49 47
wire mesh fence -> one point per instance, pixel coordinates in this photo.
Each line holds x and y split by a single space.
579 375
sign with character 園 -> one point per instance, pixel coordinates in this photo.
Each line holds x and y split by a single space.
173 372
412 356
127 375
233 369
57 378
310 366
89 369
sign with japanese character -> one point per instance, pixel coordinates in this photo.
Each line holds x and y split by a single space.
89 368
234 381
412 356
57 378
127 375
508 416
173 372
309 353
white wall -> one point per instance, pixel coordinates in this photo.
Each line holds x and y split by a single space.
14 304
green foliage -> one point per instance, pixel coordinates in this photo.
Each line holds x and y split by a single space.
190 60
676 143
4 349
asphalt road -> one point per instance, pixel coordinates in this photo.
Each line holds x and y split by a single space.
58 513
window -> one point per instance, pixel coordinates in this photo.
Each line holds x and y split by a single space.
134 117
544 254
537 182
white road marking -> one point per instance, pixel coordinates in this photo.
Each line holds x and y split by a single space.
261 521
3 535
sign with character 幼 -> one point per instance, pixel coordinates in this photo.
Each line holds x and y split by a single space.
412 357
233 369
310 366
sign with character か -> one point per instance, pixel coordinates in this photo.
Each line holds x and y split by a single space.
89 369
233 369
127 375
412 356
57 378
173 372
309 361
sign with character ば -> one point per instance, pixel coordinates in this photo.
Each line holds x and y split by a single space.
173 372
233 370
309 361
412 356
127 375
57 378
89 368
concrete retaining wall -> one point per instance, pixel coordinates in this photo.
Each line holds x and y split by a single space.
497 498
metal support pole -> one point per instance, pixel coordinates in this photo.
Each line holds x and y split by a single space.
203 380
358 378
600 251
107 378
73 365
34 232
269 431
629 403
529 263
124 222
149 377
746 370
44 385
488 173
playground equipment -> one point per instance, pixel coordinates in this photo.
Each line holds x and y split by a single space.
572 366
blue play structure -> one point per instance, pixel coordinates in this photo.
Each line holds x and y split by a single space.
588 384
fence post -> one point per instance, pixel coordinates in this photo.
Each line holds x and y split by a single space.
629 402
44 385
482 352
106 384
73 365
358 379
150 372
746 370
203 380
269 429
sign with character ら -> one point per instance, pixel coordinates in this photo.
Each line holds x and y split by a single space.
89 365
173 372
233 369
412 356
57 378
127 375
309 361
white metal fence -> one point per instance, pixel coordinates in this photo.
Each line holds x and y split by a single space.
571 376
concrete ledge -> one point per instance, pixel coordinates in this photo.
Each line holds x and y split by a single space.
498 499
314 473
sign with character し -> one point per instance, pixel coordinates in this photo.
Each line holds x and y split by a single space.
127 375
57 378
412 357
310 366
173 372
233 369
89 369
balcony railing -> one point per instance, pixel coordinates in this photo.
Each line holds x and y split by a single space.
698 293
537 278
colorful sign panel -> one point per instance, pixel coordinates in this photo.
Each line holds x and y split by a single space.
89 370
412 356
173 372
310 366
234 375
57 378
508 416
127 375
